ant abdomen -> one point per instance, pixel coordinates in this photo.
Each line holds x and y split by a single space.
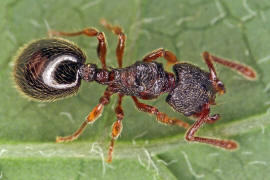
47 69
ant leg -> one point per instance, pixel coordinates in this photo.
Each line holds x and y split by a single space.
162 117
204 118
169 56
90 32
121 40
92 116
242 69
117 126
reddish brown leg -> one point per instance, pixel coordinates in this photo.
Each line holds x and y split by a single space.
117 126
92 116
90 32
162 117
244 70
168 56
121 40
203 117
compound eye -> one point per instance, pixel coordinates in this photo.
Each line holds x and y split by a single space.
220 87
47 69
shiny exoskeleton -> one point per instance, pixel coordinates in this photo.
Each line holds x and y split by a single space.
52 68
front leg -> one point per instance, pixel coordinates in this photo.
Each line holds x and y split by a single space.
204 117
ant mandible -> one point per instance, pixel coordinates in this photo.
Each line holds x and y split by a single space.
52 68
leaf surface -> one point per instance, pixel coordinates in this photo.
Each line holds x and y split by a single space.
236 30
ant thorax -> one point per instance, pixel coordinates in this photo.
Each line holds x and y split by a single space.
142 79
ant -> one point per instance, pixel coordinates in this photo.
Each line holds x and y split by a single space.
52 68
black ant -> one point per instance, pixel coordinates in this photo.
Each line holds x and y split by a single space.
52 68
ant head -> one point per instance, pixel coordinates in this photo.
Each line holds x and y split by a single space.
48 69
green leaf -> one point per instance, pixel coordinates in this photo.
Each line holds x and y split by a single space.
237 30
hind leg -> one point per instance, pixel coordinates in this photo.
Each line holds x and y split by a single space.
90 32
91 118
121 40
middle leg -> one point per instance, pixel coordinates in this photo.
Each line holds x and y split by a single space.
169 56
117 126
162 117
